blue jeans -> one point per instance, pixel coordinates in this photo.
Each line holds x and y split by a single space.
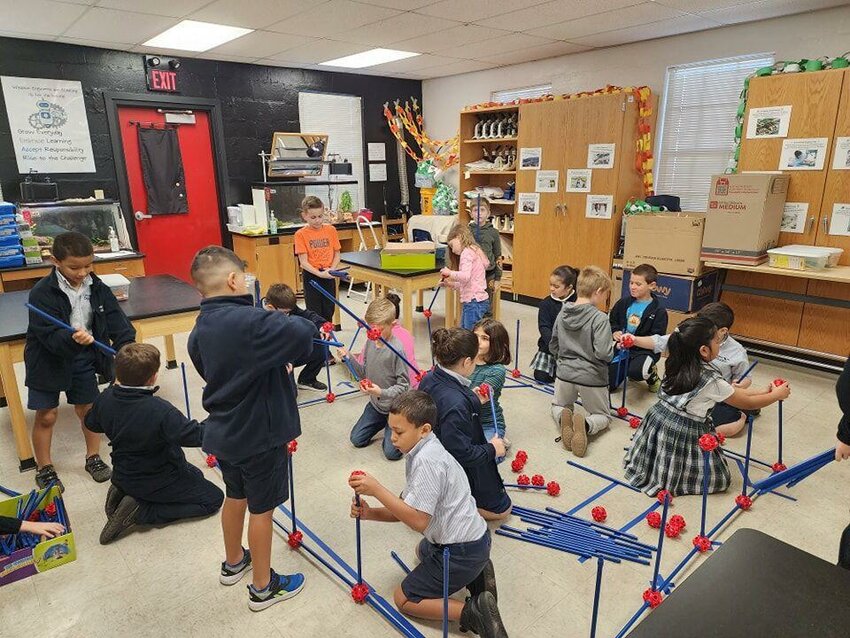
368 425
472 312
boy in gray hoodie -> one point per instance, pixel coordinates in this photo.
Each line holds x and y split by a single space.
583 345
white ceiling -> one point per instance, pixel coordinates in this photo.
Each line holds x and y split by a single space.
454 36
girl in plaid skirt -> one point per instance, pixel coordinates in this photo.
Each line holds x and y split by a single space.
665 453
562 284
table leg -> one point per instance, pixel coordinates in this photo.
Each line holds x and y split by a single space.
170 357
497 301
407 306
16 409
420 300
337 324
451 303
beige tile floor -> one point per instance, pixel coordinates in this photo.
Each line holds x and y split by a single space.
163 582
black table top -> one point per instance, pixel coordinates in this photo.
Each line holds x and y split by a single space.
372 259
47 264
756 585
155 296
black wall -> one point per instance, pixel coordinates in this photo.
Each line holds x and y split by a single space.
255 101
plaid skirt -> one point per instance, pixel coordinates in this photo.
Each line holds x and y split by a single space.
665 454
544 362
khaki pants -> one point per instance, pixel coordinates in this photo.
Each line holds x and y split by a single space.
594 401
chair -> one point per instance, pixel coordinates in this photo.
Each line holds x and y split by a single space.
363 246
395 229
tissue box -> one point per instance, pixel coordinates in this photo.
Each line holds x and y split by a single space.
118 284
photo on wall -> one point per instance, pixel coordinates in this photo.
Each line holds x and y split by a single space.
794 217
578 180
599 206
804 154
546 182
841 157
771 121
528 203
600 155
530 158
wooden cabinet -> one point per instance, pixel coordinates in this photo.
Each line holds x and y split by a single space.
127 267
26 278
824 327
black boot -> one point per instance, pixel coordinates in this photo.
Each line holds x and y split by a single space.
486 581
481 616
113 498
844 549
123 518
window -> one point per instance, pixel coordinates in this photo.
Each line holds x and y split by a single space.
697 124
510 95
338 117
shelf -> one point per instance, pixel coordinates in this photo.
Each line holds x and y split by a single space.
497 202
838 274
506 232
489 173
493 109
491 139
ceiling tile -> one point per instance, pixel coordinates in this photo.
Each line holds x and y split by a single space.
171 8
98 44
261 44
141 48
535 53
38 17
663 28
462 66
701 6
253 14
398 28
768 9
320 51
451 38
333 17
465 11
627 17
480 49
122 26
402 5
226 58
417 63
551 12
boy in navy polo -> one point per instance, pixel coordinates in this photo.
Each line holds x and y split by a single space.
437 503
242 352
58 360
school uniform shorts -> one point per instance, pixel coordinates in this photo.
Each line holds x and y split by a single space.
262 479
466 562
82 391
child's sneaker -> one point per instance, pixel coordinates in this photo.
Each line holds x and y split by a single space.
567 428
653 380
113 498
232 574
123 518
98 470
280 587
47 475
481 616
579 441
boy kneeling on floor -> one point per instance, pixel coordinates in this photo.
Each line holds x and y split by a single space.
152 483
437 503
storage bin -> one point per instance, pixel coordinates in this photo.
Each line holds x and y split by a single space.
118 284
10 251
12 262
798 257
10 240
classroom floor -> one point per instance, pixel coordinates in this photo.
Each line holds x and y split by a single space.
164 582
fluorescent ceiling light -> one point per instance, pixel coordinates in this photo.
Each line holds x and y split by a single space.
191 35
369 58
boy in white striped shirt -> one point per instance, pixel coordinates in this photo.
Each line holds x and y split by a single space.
437 503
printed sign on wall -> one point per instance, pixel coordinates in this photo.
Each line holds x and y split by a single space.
50 131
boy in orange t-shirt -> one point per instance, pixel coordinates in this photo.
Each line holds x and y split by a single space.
317 247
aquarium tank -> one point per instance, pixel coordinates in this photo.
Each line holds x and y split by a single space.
91 218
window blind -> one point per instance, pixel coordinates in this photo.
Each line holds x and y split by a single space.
338 117
509 95
696 136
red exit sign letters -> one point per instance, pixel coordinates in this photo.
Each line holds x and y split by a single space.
162 80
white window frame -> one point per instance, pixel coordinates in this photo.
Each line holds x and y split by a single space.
759 60
509 95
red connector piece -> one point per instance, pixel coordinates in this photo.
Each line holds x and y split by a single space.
553 488
634 423
427 313
664 494
653 519
702 543
374 333
294 539
359 593
327 327
211 460
538 480
517 465
743 501
292 446
523 479
708 442
622 412
779 467
678 521
330 397
599 514
652 598
627 341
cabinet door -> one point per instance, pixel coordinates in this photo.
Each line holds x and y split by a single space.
765 318
814 100
826 328
837 188
588 240
537 238
276 264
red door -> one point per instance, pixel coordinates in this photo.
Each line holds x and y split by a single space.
170 241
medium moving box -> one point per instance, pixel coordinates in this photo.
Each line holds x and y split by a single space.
744 216
681 293
672 242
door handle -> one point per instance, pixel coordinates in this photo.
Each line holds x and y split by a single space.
139 215
811 223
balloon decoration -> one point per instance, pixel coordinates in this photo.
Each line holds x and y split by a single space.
442 153
643 141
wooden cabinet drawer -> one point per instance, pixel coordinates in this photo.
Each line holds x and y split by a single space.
126 267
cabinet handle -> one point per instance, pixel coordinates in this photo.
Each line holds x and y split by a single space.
557 209
811 223
564 208
120 268
825 224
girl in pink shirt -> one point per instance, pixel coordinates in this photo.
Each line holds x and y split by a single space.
467 274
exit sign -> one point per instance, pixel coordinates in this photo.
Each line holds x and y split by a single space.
162 80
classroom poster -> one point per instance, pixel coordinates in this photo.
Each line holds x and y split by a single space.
600 155
839 223
528 203
546 182
50 131
578 180
599 206
377 151
804 154
530 158
794 217
770 121
841 158
377 172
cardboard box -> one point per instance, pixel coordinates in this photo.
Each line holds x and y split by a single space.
681 293
743 218
674 318
420 255
47 554
672 242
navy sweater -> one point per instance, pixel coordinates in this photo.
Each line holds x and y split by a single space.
547 312
241 352
50 350
147 435
652 322
459 430
842 391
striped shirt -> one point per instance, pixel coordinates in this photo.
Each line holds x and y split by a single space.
80 299
437 485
